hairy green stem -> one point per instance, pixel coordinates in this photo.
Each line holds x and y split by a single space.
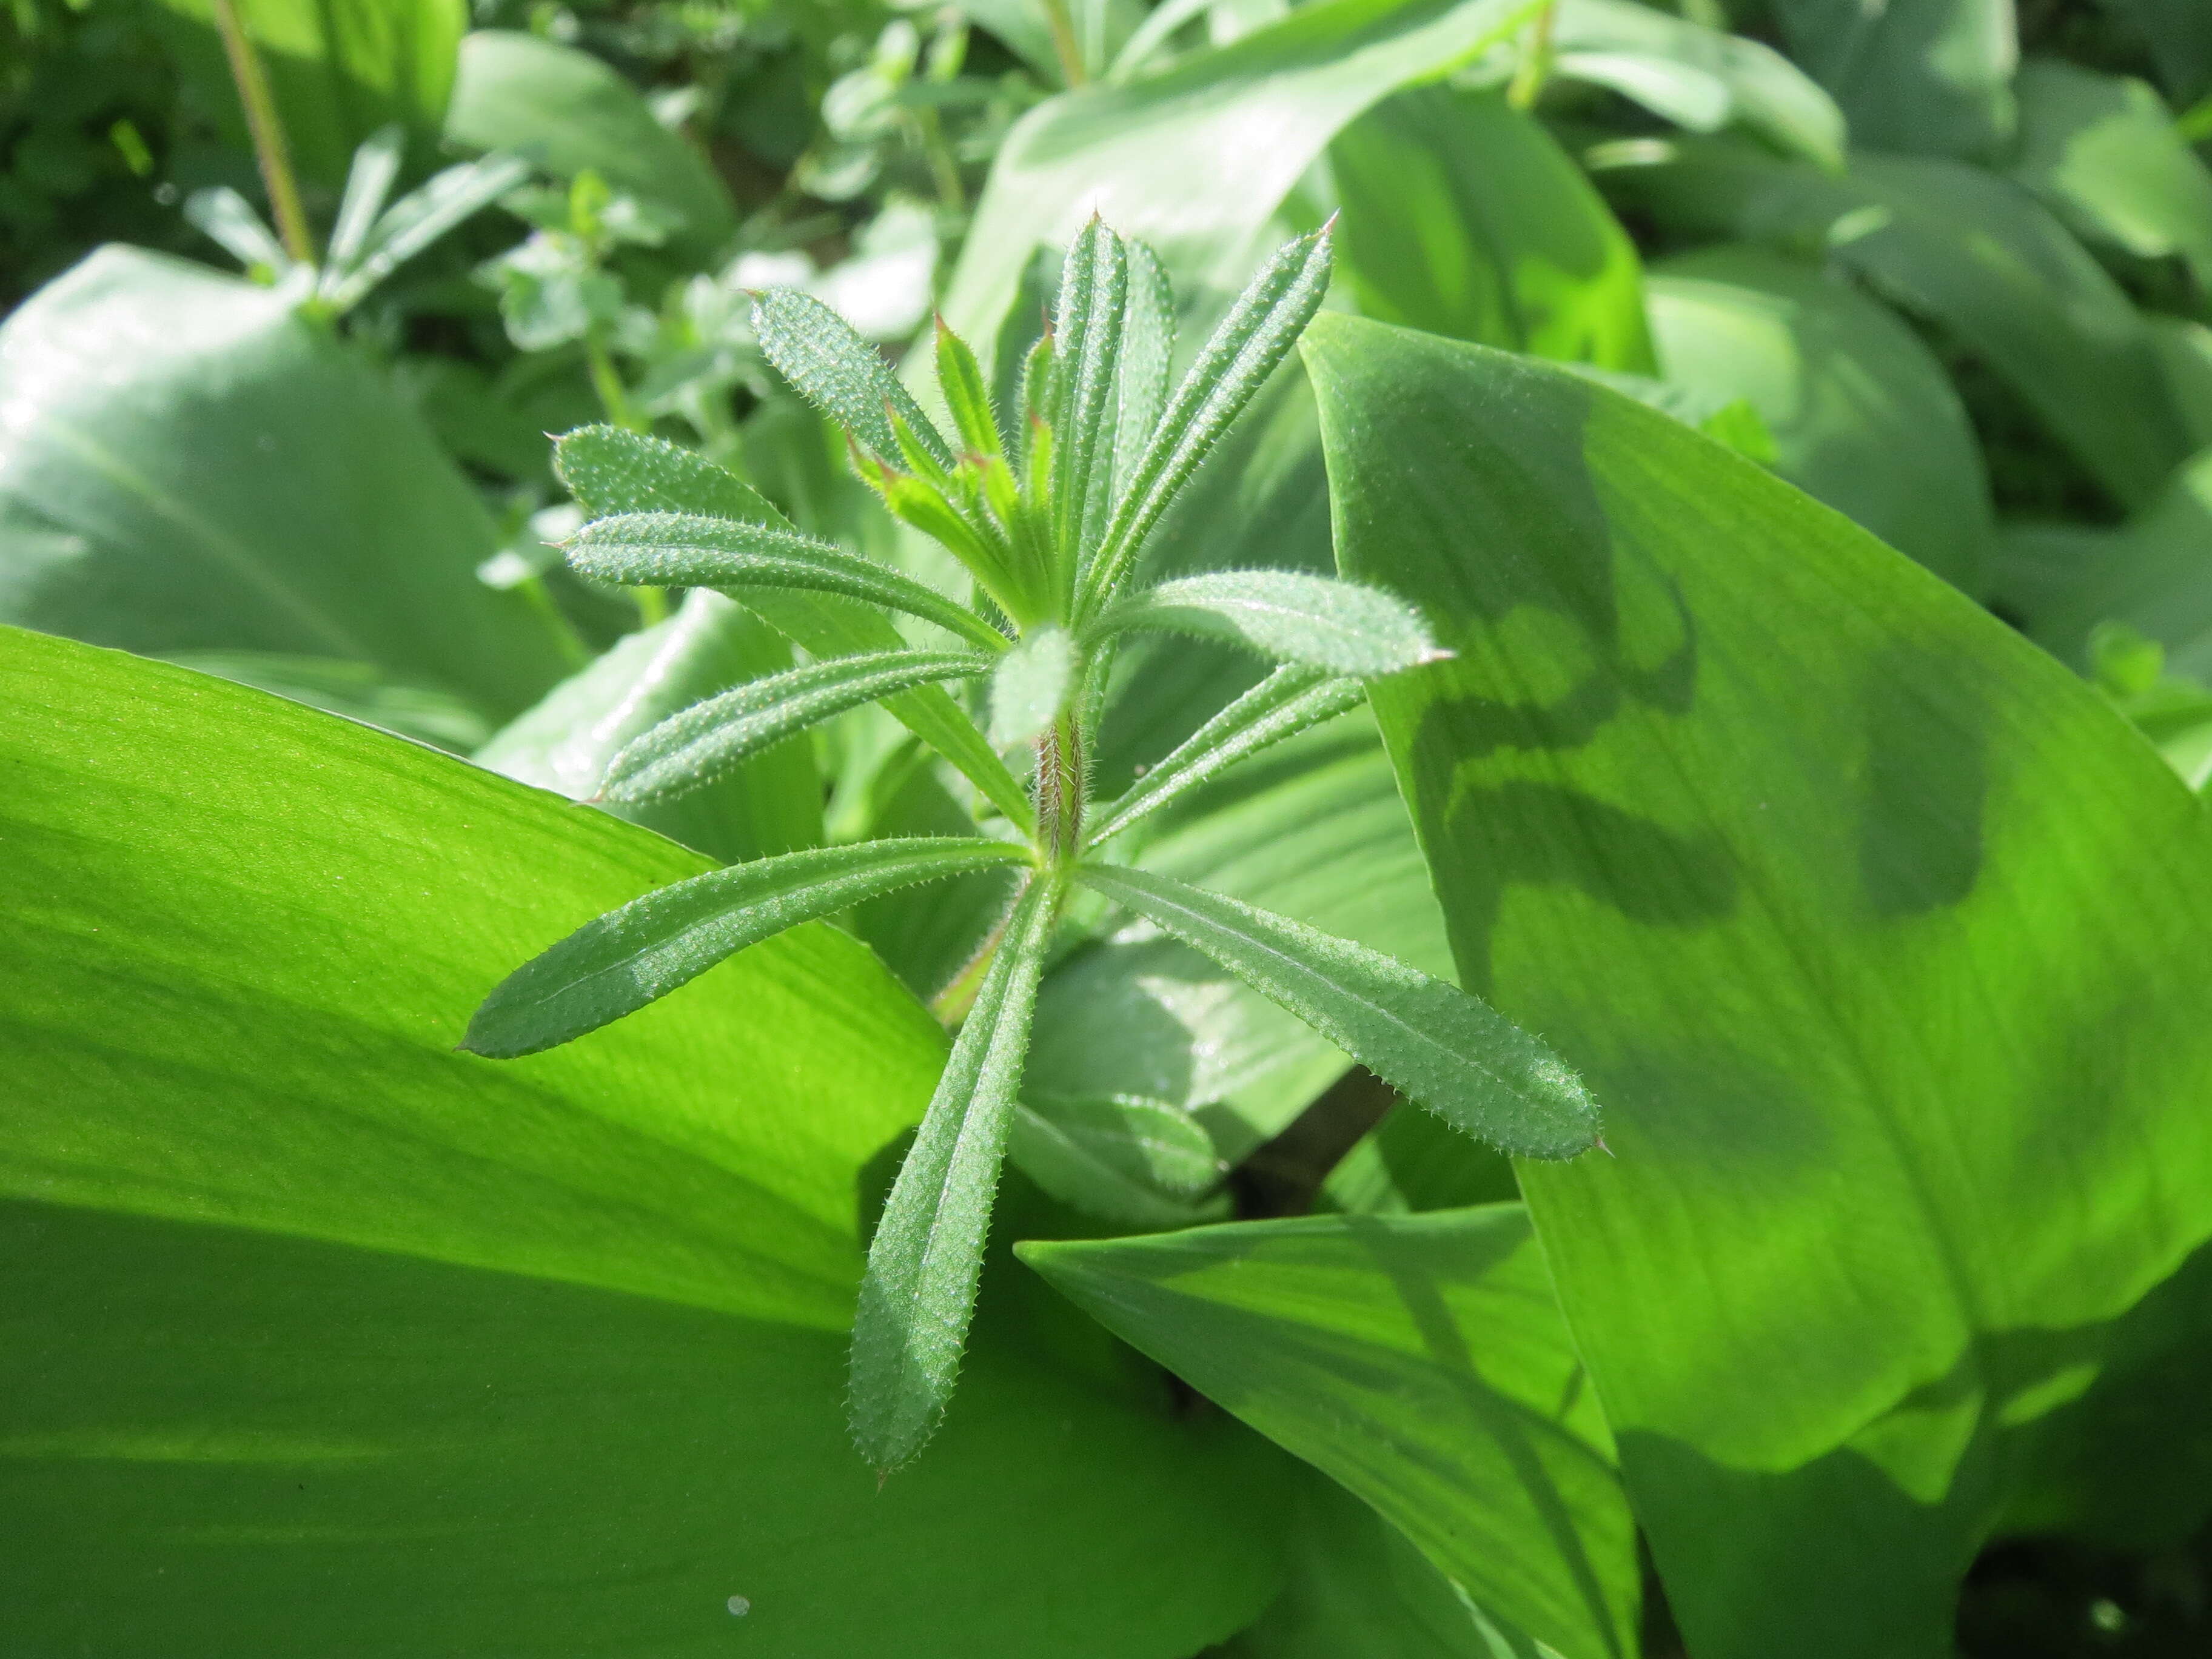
262 121
1060 767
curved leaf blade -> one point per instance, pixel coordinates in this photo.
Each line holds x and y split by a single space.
841 373
694 748
634 956
1426 1037
673 549
927 1254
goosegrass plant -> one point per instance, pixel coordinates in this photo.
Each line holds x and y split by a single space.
1051 513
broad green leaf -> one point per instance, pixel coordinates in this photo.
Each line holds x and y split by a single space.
705 741
1972 252
1141 1162
1846 898
926 1258
1464 217
2101 150
841 373
613 471
1086 410
568 112
1931 78
355 689
186 466
2178 34
1419 1360
529 1358
1861 414
1424 1036
672 549
1730 421
1340 628
1260 110
771 803
1357 1584
616 963
2151 573
1698 77
1283 704
1256 336
1032 686
339 71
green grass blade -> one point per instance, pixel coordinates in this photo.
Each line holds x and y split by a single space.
1432 1040
1257 334
1148 333
612 472
1087 341
706 740
1341 627
673 549
623 960
839 373
1286 703
928 1252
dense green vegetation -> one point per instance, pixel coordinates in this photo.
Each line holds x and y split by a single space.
1124 598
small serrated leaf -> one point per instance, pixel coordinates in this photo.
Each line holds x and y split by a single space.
1030 687
609 471
622 961
927 1254
1451 1052
1341 627
706 740
839 373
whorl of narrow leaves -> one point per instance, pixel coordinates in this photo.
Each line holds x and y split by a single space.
1286 703
1337 626
927 1254
678 550
1430 1040
706 740
839 373
1258 332
628 957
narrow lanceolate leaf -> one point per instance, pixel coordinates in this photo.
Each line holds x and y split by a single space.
368 182
1430 1040
1286 703
928 1252
610 472
967 394
1256 335
1341 627
1148 330
706 740
1031 688
677 550
838 372
1126 1158
617 964
424 214
1086 404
